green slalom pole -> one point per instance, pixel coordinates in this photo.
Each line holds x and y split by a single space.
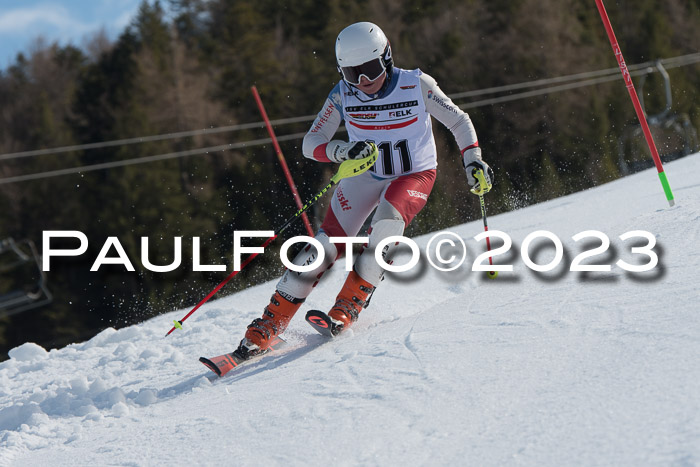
349 168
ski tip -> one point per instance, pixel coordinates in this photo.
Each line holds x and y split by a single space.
211 365
222 364
320 322
318 318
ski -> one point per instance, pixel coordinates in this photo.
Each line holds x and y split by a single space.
322 323
222 364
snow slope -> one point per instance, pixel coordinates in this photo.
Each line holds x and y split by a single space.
558 368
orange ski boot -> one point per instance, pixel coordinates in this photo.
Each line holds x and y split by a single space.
262 331
349 302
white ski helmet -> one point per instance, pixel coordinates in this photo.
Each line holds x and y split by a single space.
363 49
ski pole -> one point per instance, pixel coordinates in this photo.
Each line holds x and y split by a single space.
635 101
349 168
283 162
480 190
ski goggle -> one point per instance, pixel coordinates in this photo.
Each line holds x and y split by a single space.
370 70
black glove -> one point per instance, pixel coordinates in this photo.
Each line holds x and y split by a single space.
339 151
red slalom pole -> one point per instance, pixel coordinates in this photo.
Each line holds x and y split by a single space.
178 324
283 162
635 101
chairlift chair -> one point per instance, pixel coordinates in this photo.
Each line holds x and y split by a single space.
22 281
674 132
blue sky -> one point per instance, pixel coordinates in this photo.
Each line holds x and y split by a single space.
21 21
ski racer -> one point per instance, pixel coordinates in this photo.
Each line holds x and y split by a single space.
390 107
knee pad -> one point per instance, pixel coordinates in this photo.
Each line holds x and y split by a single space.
298 285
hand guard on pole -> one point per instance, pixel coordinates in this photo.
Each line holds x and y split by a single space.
471 159
339 151
482 185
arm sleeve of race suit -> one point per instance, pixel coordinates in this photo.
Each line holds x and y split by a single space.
324 127
446 112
